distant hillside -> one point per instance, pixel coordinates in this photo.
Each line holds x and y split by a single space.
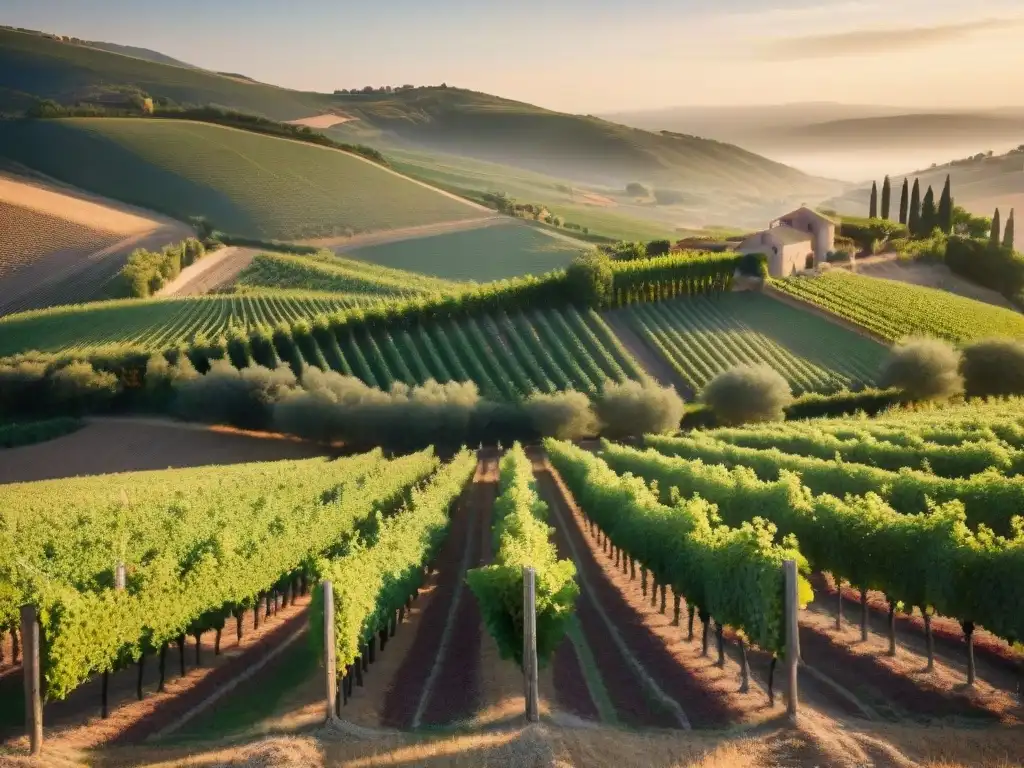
980 184
243 183
904 130
831 125
138 53
586 149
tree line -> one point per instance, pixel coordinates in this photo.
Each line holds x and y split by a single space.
923 215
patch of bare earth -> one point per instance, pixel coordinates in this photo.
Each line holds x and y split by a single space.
419 691
215 270
322 121
106 446
70 272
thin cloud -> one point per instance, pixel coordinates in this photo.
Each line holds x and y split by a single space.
861 42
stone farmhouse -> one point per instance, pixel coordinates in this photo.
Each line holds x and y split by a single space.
802 239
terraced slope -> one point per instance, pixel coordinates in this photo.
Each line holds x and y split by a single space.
894 310
702 337
244 183
487 253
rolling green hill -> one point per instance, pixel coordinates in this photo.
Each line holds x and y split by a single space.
467 123
244 183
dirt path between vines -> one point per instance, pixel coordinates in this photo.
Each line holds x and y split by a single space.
419 692
709 690
647 685
649 359
217 269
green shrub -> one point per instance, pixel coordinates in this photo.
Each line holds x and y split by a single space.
28 433
923 369
633 409
993 367
330 407
589 279
79 388
522 539
225 395
864 232
747 394
563 415
754 265
22 388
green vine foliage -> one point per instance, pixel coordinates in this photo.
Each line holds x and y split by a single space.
732 574
197 544
989 498
522 539
931 560
376 577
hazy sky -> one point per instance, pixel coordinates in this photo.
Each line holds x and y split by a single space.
586 55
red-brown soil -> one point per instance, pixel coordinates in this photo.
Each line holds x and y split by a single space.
456 690
947 633
571 691
703 708
125 445
409 685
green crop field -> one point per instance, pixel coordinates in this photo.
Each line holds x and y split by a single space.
326 272
894 310
159 323
701 337
916 548
483 254
244 183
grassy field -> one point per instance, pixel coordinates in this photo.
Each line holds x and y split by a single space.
895 310
487 253
244 183
701 337
159 323
337 274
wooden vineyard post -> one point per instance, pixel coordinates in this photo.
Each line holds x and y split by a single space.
120 579
30 672
330 663
791 624
530 644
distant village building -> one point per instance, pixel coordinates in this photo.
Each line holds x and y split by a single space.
797 241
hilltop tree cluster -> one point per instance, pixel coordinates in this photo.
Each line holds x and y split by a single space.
976 247
367 89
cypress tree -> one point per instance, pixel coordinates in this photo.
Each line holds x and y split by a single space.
1008 233
929 214
945 221
914 215
994 237
873 211
904 201
886 197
